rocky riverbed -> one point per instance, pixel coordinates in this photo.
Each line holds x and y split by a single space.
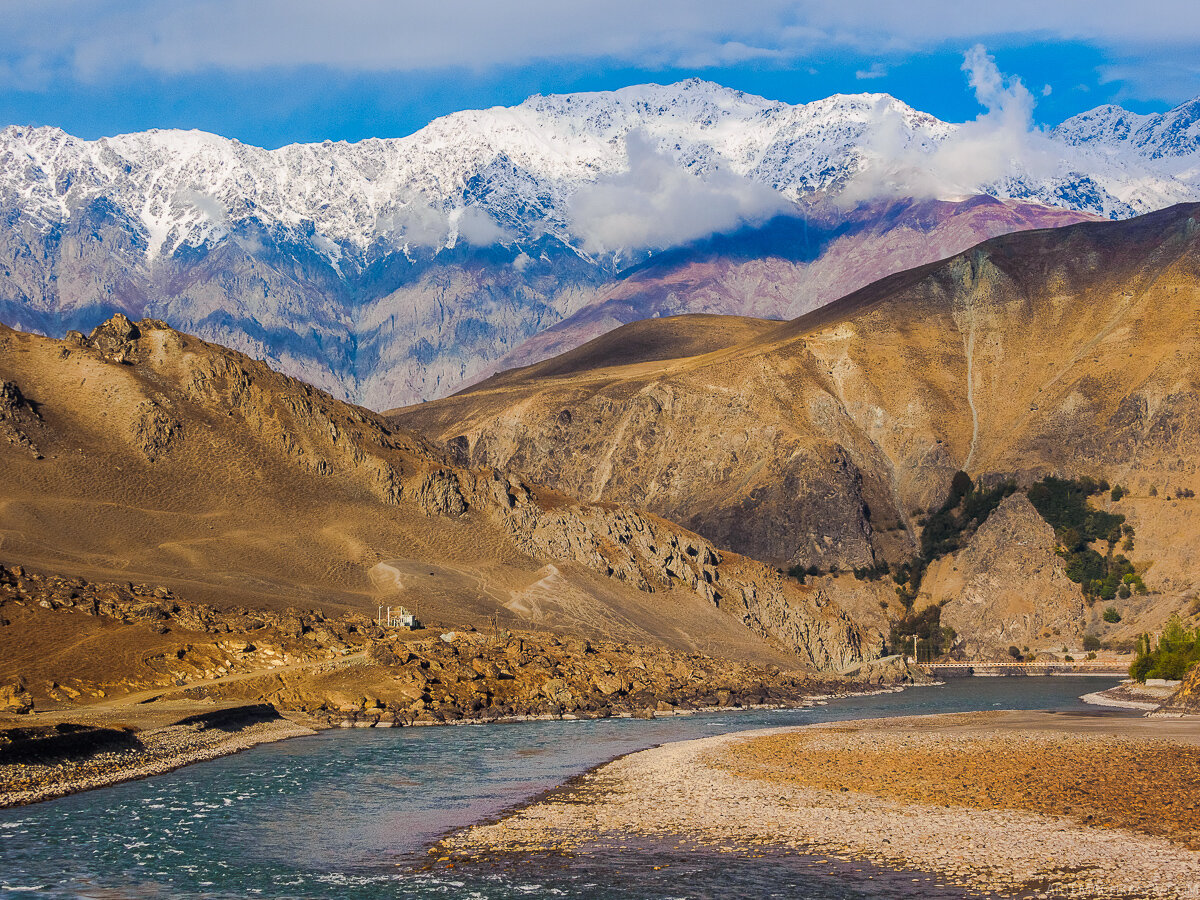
1051 805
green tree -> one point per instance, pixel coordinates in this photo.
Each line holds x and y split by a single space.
1177 651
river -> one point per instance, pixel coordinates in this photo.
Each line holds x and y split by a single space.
349 813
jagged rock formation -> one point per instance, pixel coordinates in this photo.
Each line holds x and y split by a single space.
179 460
823 441
15 700
649 552
396 270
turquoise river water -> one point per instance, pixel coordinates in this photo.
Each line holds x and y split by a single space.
350 813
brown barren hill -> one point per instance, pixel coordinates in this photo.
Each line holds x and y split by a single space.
140 454
1068 351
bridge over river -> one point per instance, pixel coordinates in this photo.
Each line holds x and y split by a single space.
1050 667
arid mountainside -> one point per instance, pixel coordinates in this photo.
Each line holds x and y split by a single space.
790 267
822 442
140 454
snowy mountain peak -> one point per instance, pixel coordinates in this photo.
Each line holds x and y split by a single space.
395 269
509 173
1158 136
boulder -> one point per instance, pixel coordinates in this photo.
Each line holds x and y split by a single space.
114 338
15 699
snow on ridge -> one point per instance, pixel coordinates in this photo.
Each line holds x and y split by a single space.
1158 136
520 165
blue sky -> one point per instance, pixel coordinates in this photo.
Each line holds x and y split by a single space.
271 72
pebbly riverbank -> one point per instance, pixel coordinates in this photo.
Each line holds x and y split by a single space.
40 767
1130 694
920 794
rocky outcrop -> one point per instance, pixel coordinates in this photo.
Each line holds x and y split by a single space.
114 338
461 674
440 494
154 430
15 700
626 545
19 419
1008 586
889 670
653 554
1186 699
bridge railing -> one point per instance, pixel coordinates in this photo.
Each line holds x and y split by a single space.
1049 664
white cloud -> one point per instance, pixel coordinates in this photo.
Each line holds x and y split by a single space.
656 204
327 247
476 227
92 37
208 205
416 225
218 215
877 70
976 154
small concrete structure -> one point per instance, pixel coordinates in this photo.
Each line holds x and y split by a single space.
398 617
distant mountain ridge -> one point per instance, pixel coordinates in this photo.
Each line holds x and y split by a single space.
830 442
393 270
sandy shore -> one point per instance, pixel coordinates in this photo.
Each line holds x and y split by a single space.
163 749
922 794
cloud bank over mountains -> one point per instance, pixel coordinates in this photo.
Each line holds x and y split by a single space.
614 174
656 204
93 37
1001 142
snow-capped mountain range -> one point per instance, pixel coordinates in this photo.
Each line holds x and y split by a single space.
389 269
